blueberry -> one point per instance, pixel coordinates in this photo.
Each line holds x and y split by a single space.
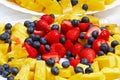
47 47
32 24
87 46
104 47
35 22
75 22
6 66
66 64
1 69
69 54
81 35
111 49
100 53
78 70
8 26
74 2
85 7
43 40
8 31
32 36
95 34
50 62
53 16
8 41
4 36
39 57
114 43
55 70
36 44
62 40
10 78
36 38
29 24
26 23
90 40
5 73
88 70
29 41
30 30
85 20
84 61
14 70
10 59
55 27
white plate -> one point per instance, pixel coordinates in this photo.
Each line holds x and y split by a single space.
18 8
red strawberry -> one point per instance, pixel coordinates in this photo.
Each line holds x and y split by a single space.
53 55
31 51
73 34
40 33
53 37
76 49
88 53
66 25
97 43
42 49
89 32
43 26
47 18
74 62
68 45
104 35
83 26
59 48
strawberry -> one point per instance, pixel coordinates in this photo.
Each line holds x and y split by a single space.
59 48
43 26
68 45
104 35
97 43
73 34
53 37
88 53
42 49
76 49
47 18
31 51
83 26
53 55
40 33
74 62
66 25
89 32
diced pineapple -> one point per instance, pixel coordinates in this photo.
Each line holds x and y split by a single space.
59 78
83 66
76 76
117 37
2 58
95 66
2 25
31 75
117 50
107 2
4 48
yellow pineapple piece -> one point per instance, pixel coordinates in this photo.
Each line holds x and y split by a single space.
95 66
110 40
4 48
40 71
117 37
83 66
76 76
59 78
107 2
117 50
2 58
58 65
31 75
2 25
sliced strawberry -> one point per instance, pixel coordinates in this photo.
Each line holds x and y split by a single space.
59 48
66 25
43 26
97 43
88 53
89 32
104 35
74 62
53 37
47 18
83 26
73 34
76 49
42 49
53 55
68 45
31 51
40 33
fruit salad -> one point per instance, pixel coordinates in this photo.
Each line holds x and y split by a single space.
50 48
63 6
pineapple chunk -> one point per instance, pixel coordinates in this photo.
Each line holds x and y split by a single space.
59 78
117 50
83 66
117 37
76 76
95 66
4 48
2 59
107 2
31 75
2 25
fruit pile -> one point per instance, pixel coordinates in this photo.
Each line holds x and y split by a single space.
63 6
45 50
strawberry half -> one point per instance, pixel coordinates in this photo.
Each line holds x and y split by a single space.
73 34
40 33
68 45
31 51
42 49
74 62
59 48
53 37
83 26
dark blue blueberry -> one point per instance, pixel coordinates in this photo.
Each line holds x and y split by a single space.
26 23
111 49
78 70
87 46
43 40
8 41
114 43
10 59
104 47
62 40
8 26
4 36
1 69
88 70
50 62
36 38
47 47
90 40
8 31
74 2
81 35
30 30
5 73
6 66
35 22
53 16
55 27
54 70
10 78
66 64
39 57
29 41
95 34
14 70
84 61
32 36
75 22
32 24
100 53
69 54
85 7
36 44
85 20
